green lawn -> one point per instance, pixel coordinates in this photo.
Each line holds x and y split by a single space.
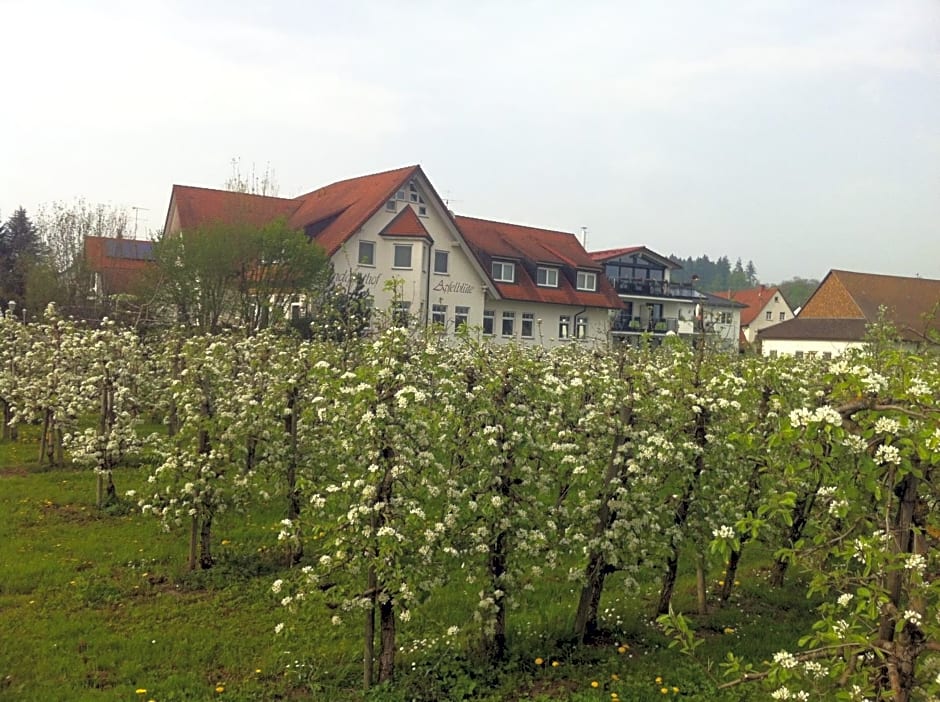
98 606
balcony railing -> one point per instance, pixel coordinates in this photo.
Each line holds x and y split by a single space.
653 288
636 324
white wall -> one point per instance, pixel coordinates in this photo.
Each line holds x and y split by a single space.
547 322
788 347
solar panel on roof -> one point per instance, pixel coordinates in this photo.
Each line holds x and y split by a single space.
133 249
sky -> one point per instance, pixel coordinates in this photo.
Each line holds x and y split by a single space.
801 135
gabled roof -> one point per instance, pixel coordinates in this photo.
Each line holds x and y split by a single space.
197 207
755 299
608 254
499 240
406 224
350 203
911 304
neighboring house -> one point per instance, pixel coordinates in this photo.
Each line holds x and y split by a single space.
116 264
417 260
655 304
764 307
837 315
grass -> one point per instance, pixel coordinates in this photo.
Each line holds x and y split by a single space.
97 605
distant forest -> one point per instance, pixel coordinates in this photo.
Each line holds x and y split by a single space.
719 275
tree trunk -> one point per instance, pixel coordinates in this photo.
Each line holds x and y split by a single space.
368 632
293 493
7 418
44 437
669 583
387 652
801 512
731 572
205 543
585 622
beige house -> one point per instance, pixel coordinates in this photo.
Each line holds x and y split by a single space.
764 307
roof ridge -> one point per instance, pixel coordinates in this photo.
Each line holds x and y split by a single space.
232 192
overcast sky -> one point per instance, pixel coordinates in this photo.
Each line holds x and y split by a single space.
802 135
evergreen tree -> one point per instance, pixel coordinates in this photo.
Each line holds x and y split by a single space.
20 248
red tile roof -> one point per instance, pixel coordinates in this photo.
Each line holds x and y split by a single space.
529 246
754 298
406 224
199 207
607 254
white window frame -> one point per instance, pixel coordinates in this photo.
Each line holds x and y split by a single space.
527 329
546 277
510 318
489 316
439 315
403 247
461 316
370 245
446 259
587 280
580 327
564 326
502 267
768 316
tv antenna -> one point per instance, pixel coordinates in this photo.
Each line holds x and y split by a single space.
136 215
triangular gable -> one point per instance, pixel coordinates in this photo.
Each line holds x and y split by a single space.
831 300
754 299
641 251
406 224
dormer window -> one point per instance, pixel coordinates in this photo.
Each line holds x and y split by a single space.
547 277
504 272
587 280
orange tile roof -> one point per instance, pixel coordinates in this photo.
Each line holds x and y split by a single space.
911 304
120 262
754 298
198 207
406 224
530 246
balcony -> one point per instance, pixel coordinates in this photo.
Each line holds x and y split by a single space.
653 288
635 324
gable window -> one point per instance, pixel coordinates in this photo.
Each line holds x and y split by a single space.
509 323
439 315
587 280
547 277
504 272
461 316
366 253
783 316
769 316
489 318
391 206
528 325
402 256
422 211
564 326
441 261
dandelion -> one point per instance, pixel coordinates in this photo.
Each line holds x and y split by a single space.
729 630
675 690
664 690
220 688
623 649
555 664
539 661
141 691
594 683
659 680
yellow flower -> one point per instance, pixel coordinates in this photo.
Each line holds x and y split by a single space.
225 542
737 582
220 688
614 677
675 690
721 583
729 630
659 680
594 683
257 670
141 691
555 664
539 661
623 649
664 690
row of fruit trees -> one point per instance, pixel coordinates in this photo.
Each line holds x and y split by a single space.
406 456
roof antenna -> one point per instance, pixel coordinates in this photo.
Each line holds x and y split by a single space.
136 216
584 237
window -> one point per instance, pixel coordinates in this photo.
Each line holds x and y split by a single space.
391 206
528 325
461 316
547 277
783 316
827 355
422 210
439 315
587 280
441 259
400 195
401 314
504 272
366 253
509 323
402 256
581 327
564 326
769 316
489 317
773 353
798 354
